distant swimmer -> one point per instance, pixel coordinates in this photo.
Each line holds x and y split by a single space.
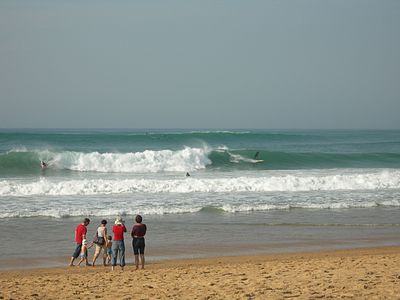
43 165
256 155
187 174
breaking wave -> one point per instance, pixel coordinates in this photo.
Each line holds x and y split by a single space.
189 159
386 179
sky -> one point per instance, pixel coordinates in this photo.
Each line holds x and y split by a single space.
200 64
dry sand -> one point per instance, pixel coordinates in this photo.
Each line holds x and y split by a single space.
353 274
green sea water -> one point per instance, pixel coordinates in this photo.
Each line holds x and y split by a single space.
249 191
21 150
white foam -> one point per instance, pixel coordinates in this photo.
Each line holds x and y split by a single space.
237 158
18 149
63 212
159 194
187 159
70 207
382 180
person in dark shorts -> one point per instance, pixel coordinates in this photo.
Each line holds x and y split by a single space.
138 244
80 235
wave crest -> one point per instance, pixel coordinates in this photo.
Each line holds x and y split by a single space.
184 160
188 159
381 180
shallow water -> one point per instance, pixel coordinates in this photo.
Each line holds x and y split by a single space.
32 242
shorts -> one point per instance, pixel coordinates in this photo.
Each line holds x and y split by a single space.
83 255
138 245
109 251
99 248
77 251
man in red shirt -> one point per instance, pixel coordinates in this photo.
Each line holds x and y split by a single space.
80 235
118 244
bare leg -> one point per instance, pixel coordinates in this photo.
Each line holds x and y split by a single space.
104 260
71 263
137 261
81 260
142 260
95 258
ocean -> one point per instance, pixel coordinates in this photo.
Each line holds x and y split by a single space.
249 191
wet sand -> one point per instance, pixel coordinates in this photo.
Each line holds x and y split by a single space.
372 273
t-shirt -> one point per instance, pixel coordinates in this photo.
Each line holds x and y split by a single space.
139 230
79 232
118 231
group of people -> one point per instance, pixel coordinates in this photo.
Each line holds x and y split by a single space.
113 247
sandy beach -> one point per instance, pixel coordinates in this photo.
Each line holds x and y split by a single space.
372 273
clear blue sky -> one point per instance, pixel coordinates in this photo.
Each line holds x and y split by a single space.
200 64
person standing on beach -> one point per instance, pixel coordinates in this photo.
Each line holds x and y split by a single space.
118 245
138 244
80 235
100 241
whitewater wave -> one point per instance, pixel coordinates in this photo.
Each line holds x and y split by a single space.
62 207
186 159
387 179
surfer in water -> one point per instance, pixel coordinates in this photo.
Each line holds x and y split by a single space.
43 165
256 155
187 174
